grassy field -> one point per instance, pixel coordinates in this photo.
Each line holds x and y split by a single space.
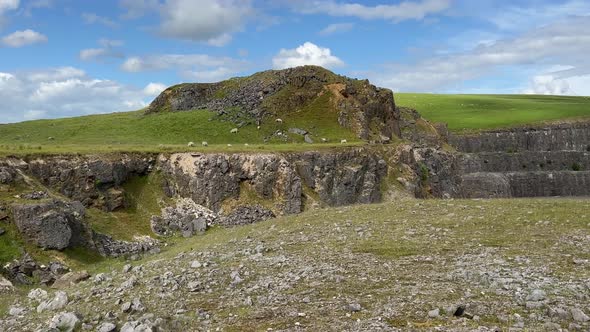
480 112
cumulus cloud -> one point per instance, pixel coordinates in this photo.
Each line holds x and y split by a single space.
107 50
92 18
565 42
203 67
211 21
6 5
23 38
306 54
336 28
406 10
61 92
153 89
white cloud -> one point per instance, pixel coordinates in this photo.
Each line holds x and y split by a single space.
108 50
23 38
560 80
153 89
211 21
566 42
6 5
92 18
405 10
336 28
61 92
306 54
202 67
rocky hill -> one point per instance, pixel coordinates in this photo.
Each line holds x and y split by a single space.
279 94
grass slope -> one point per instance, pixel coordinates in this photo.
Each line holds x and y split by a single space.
134 131
480 112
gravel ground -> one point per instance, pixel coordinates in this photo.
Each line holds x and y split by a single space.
453 265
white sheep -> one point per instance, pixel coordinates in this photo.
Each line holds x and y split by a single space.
343 141
191 144
258 127
279 120
234 131
229 145
246 144
204 143
324 140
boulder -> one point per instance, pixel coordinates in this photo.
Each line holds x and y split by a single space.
53 224
70 278
58 302
65 322
5 285
244 215
187 218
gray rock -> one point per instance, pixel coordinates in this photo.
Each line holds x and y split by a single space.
100 278
65 322
37 294
537 295
354 307
51 225
308 139
5 285
579 316
135 326
130 283
126 307
16 311
435 313
107 327
2 231
187 218
58 302
196 264
244 215
127 268
298 131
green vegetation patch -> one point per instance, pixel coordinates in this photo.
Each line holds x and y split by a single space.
465 113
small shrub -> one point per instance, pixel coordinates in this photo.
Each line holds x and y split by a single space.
423 172
576 167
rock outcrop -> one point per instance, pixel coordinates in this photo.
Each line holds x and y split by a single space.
93 180
244 215
365 109
53 224
338 177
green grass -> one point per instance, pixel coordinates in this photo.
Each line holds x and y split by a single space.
136 132
479 112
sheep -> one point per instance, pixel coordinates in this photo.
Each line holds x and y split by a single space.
324 140
343 141
234 131
229 145
258 127
204 143
191 144
279 120
246 144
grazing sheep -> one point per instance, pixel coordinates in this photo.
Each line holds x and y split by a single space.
279 120
204 143
229 145
234 131
191 144
343 141
324 140
246 144
258 127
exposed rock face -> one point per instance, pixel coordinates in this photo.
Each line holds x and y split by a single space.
92 180
568 137
525 162
52 224
244 215
187 218
109 247
338 177
367 110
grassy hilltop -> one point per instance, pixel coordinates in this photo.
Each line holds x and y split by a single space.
480 112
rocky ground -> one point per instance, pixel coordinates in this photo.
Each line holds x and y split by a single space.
452 265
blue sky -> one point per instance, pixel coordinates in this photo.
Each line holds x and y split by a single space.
68 57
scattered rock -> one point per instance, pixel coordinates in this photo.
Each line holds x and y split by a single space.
37 294
186 217
16 311
135 326
65 322
35 195
196 264
70 278
2 231
244 215
308 139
